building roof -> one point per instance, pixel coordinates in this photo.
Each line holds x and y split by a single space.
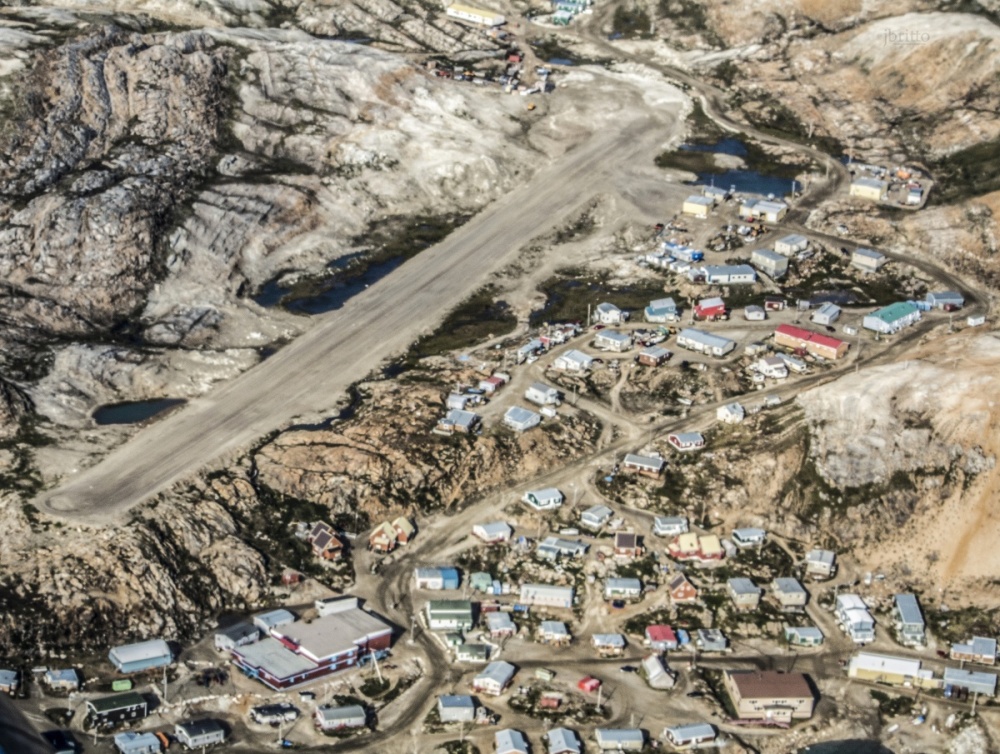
808 335
879 663
684 438
548 493
672 521
499 621
614 335
131 740
946 296
691 731
62 675
562 740
980 645
333 634
894 312
626 539
598 511
909 609
824 557
577 356
770 255
805 632
710 302
793 239
662 303
971 679
519 415
509 740
706 339
765 205
742 585
607 308
456 701
628 584
654 463
200 727
550 589
348 712
705 201
554 628
274 618
154 649
749 533
460 417
869 182
770 684
619 736
8 677
609 640
729 269
660 632
850 602
788 585
449 606
541 387
876 256
499 671
495 528
655 352
116 702
275 658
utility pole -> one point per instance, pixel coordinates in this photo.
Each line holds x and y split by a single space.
164 684
600 689
975 698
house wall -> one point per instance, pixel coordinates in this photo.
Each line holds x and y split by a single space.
757 709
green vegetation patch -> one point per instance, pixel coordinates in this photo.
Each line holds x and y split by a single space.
970 172
479 317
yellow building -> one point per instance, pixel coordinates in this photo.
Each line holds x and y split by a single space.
475 15
869 188
697 206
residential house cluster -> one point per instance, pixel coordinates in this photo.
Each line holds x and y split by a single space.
385 537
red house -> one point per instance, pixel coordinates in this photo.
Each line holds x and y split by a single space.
589 684
710 308
661 637
682 591
325 543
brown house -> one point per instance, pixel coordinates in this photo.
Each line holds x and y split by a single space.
404 530
627 545
770 695
682 591
382 538
325 543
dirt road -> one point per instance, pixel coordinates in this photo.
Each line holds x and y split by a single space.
344 346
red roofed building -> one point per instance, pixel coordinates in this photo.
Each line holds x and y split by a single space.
811 342
710 308
661 637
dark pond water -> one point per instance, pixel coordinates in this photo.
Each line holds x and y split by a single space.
742 180
560 61
134 412
326 294
846 747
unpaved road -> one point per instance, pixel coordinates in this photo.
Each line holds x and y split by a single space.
344 346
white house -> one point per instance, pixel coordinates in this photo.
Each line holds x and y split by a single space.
697 206
754 313
613 340
609 314
821 563
563 741
547 499
521 419
670 526
66 679
827 314
728 274
608 643
546 595
456 708
791 244
494 678
542 394
622 588
868 260
685 441
873 189
620 739
854 618
690 736
510 741
749 536
945 300
731 413
703 342
771 262
553 632
496 531
773 367
573 361
336 718
762 209
596 516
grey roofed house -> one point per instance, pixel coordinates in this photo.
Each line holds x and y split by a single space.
981 648
271 654
690 733
496 675
711 640
743 586
563 741
273 619
668 526
553 548
616 641
510 741
940 299
614 585
909 618
456 708
349 716
973 680
748 535
550 497
573 360
464 421
132 742
195 733
554 629
8 680
521 419
595 516
236 635
698 340
867 257
622 739
790 591
493 531
820 562
500 622
652 464
616 338
809 636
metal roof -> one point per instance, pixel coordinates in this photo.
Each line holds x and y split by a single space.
8 677
609 640
619 736
691 731
274 658
706 303
788 585
519 415
132 741
543 388
499 671
869 254
154 649
662 303
598 511
508 741
909 609
894 312
562 740
273 618
651 462
879 663
623 584
453 701
656 352
607 307
793 239
705 201
742 585
499 621
554 627
618 337
350 712
200 727
706 339
578 356
973 680
824 557
729 269
805 632
119 701
769 255
946 297
869 182
549 493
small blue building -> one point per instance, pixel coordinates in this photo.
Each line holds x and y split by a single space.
131 742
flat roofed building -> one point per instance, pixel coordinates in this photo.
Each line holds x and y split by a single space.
872 189
770 695
729 274
814 343
496 531
620 739
521 419
697 206
546 595
975 682
868 260
894 671
804 636
654 356
617 588
791 244
670 526
981 650
475 15
689 735
908 619
133 742
117 708
454 708
789 593
273 619
647 465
